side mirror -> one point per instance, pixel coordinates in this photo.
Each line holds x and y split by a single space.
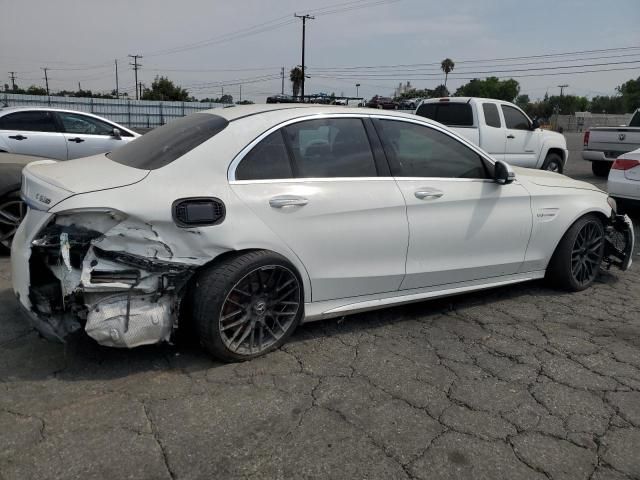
503 173
535 124
115 133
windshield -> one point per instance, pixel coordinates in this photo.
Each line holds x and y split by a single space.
165 144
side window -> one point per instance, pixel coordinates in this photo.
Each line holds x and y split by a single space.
268 160
419 151
76 123
33 121
334 147
514 118
491 116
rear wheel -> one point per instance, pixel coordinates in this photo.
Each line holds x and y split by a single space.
600 168
12 212
576 261
553 163
247 305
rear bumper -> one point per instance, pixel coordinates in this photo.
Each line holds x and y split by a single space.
621 187
595 156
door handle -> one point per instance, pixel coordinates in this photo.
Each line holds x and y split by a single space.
511 136
76 140
288 201
428 193
18 137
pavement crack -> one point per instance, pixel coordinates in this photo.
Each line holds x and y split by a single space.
156 436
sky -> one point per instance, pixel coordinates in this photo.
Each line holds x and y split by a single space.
210 45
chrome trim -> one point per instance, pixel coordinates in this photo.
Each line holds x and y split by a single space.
231 170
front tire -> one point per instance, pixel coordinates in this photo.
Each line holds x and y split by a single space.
576 261
553 163
12 212
247 305
601 168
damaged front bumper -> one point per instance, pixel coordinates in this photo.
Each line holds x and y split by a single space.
619 242
99 271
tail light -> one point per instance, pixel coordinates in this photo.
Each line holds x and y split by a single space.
624 164
585 142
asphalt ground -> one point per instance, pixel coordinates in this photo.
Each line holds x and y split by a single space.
521 382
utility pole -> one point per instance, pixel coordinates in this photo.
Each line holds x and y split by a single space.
136 66
12 76
562 87
304 24
240 92
282 92
117 89
79 87
357 88
46 78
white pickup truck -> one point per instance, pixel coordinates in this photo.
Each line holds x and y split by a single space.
501 129
602 145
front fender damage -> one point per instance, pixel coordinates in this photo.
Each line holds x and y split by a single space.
113 276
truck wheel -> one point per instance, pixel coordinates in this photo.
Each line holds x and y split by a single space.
600 168
247 305
553 163
577 258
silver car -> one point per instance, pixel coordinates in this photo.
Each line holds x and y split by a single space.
59 134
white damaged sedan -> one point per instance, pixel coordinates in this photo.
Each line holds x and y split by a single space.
247 221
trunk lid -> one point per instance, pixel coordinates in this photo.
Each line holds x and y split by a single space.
46 183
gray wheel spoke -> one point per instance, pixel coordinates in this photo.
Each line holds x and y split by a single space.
230 315
243 320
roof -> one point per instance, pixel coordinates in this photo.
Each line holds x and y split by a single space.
300 109
463 100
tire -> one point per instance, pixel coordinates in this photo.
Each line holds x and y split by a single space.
12 212
553 163
239 309
601 168
576 261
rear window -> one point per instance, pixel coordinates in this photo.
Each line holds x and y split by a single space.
448 113
635 120
165 144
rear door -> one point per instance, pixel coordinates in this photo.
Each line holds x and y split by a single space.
33 132
462 225
318 185
86 136
522 144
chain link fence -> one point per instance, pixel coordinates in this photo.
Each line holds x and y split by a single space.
142 114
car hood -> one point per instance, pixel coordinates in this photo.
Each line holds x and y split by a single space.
551 179
46 183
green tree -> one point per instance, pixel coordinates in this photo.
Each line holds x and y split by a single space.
244 102
447 67
440 91
491 87
164 89
295 75
630 92
35 90
607 104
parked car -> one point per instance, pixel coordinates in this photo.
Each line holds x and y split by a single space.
409 103
12 208
281 98
250 220
501 129
602 145
385 103
624 177
59 134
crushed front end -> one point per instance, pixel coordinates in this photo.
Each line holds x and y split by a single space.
99 271
619 242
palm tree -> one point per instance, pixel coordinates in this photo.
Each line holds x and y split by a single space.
447 67
295 75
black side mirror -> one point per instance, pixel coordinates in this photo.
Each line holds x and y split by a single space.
535 124
115 133
503 173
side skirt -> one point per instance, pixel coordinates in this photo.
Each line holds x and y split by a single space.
345 306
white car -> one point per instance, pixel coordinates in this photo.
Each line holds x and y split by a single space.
501 129
249 220
624 177
59 134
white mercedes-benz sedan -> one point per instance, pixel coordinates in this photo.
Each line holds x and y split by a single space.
244 222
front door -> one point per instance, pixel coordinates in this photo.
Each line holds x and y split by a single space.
32 132
86 136
522 143
316 184
458 215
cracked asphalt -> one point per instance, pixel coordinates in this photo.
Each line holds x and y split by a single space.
521 382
